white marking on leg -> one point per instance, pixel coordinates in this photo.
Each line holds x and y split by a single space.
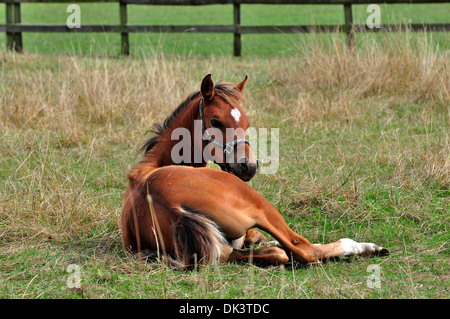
236 114
351 247
273 243
238 243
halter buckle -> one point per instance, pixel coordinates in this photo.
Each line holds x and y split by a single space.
208 136
228 149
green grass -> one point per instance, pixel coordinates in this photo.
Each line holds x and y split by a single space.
208 44
364 152
374 174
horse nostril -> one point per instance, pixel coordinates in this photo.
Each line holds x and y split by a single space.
244 166
245 169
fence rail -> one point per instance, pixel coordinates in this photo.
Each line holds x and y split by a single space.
14 27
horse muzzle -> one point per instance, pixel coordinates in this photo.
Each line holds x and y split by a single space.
243 169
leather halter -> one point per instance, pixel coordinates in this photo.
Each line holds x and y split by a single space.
227 147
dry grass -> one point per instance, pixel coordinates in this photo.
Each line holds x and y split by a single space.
365 154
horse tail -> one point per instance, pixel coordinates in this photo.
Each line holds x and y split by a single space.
198 240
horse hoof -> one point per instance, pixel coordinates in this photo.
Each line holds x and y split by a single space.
381 251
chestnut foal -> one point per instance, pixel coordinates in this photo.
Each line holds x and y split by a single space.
197 215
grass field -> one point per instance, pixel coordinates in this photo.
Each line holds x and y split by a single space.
364 153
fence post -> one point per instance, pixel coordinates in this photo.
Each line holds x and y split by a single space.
9 21
124 41
13 16
18 46
237 35
348 12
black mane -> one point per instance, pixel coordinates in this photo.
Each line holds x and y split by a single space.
160 129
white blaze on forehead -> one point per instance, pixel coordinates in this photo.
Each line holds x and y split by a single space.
236 114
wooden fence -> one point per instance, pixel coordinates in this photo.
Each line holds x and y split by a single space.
14 27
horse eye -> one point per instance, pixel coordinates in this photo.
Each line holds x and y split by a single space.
215 123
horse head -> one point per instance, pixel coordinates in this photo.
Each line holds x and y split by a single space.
224 124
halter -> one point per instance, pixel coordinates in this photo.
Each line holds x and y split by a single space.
227 147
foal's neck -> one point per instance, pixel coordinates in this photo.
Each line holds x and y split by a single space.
160 154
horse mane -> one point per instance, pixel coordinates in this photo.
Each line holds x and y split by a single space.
224 90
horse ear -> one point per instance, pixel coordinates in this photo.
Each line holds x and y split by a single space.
207 88
240 86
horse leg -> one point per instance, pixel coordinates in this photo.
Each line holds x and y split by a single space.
269 255
204 223
303 251
253 236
